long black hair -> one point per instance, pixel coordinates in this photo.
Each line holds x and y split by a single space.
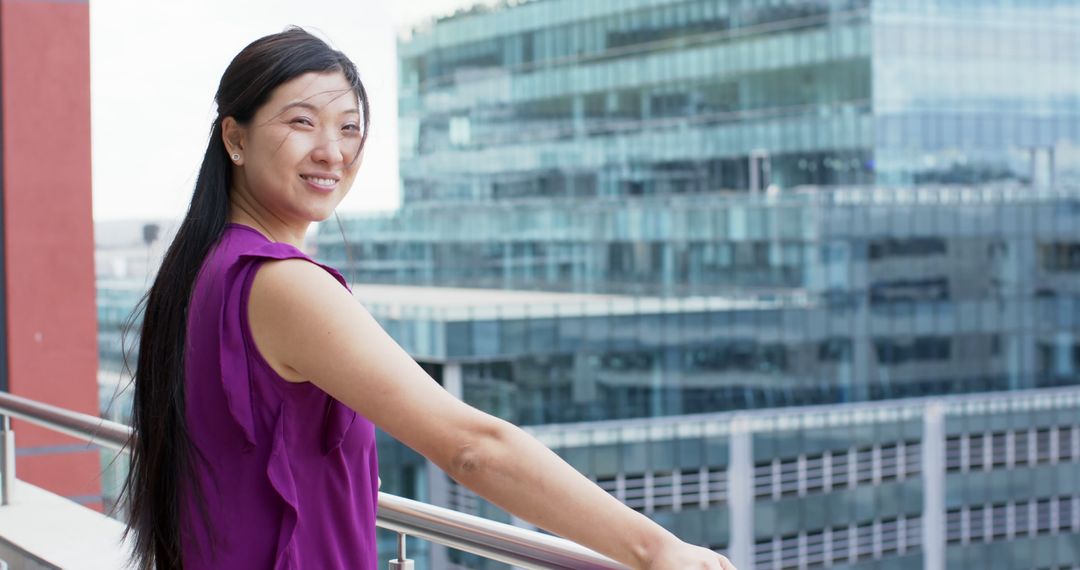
161 449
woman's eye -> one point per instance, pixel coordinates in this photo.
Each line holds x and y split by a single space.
302 120
351 127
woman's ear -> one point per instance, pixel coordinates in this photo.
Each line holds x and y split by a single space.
232 134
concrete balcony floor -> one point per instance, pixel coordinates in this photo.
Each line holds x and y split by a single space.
40 530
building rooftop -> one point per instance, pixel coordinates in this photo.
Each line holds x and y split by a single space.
448 303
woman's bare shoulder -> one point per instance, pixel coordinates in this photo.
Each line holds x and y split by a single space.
304 318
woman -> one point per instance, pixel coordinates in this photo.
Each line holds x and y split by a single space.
260 379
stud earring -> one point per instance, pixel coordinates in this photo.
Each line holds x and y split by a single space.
236 157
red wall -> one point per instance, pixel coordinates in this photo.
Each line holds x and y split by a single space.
51 328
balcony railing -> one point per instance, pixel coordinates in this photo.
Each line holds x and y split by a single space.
490 539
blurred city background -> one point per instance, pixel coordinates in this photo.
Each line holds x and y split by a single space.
797 279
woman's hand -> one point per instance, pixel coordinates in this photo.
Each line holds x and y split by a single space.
678 555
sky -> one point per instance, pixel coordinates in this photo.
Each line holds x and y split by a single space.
154 67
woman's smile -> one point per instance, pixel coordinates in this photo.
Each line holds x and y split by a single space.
320 183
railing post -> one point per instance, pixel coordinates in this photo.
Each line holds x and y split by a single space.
7 460
401 562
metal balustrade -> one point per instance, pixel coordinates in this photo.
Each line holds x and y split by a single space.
519 547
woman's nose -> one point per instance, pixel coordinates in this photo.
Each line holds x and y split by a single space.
328 148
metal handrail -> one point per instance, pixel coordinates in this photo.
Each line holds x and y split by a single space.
495 540
491 539
86 427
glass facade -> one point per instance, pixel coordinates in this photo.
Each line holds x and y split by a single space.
901 293
659 97
116 303
829 296
989 480
564 99
529 130
751 204
970 92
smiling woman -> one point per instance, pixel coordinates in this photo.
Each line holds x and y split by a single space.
260 379
211 481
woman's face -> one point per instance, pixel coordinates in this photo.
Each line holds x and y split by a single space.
297 152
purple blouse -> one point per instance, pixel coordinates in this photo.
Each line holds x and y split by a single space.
288 474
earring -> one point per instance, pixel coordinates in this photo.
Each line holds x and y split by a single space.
236 157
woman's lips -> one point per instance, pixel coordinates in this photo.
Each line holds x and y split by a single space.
320 184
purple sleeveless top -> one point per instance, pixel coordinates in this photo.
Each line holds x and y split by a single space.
288 474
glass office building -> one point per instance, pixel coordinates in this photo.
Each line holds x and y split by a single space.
890 294
858 200
682 208
550 109
677 209
904 293
558 98
986 481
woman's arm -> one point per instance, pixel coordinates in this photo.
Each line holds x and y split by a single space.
309 327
